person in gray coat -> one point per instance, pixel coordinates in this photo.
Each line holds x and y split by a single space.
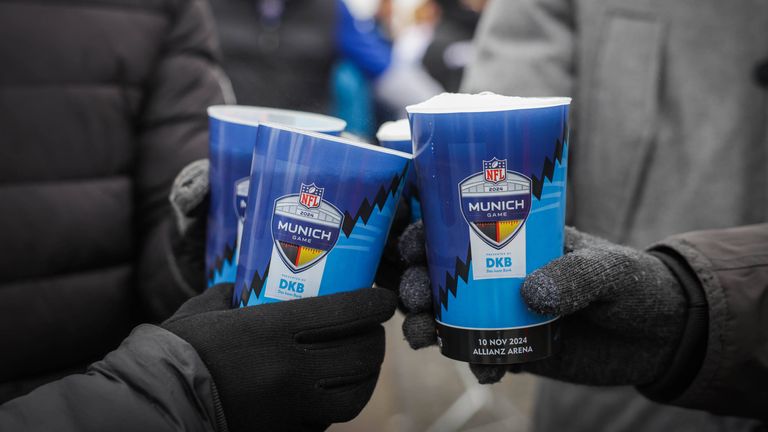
669 136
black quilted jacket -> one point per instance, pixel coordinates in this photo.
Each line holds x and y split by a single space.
102 102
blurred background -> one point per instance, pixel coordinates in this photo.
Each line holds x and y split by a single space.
424 391
360 60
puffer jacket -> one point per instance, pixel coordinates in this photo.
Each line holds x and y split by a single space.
102 102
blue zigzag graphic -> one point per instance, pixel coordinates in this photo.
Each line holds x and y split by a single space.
257 284
366 208
461 270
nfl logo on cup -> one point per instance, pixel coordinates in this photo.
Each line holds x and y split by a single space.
310 195
495 170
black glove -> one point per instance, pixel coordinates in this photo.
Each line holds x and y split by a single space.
295 365
189 199
623 310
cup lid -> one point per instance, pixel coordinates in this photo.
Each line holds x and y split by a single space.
399 130
482 102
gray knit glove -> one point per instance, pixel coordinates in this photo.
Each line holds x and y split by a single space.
623 311
189 200
189 193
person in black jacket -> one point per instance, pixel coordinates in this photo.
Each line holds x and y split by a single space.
102 102
291 366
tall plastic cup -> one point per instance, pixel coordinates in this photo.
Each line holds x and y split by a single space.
491 172
233 131
397 135
317 222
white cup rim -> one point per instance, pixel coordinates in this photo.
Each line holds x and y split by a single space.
341 140
450 103
249 116
394 131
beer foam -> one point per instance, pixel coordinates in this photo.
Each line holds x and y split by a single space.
482 102
394 131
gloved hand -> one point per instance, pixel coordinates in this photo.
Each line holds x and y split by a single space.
189 199
623 311
295 365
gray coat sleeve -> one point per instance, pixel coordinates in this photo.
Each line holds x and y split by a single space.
154 381
524 48
732 267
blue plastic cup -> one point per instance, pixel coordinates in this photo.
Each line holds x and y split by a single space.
397 135
491 174
318 220
233 131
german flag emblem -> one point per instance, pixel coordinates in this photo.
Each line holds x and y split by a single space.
300 256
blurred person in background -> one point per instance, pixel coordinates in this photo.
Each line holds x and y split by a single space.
668 136
378 72
279 53
406 81
451 49
337 57
364 54
102 104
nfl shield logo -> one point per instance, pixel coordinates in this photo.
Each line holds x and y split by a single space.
496 205
495 170
310 196
303 238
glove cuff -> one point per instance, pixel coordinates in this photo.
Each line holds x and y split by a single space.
690 354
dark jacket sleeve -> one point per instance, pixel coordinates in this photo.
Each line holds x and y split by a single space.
173 131
154 381
731 266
